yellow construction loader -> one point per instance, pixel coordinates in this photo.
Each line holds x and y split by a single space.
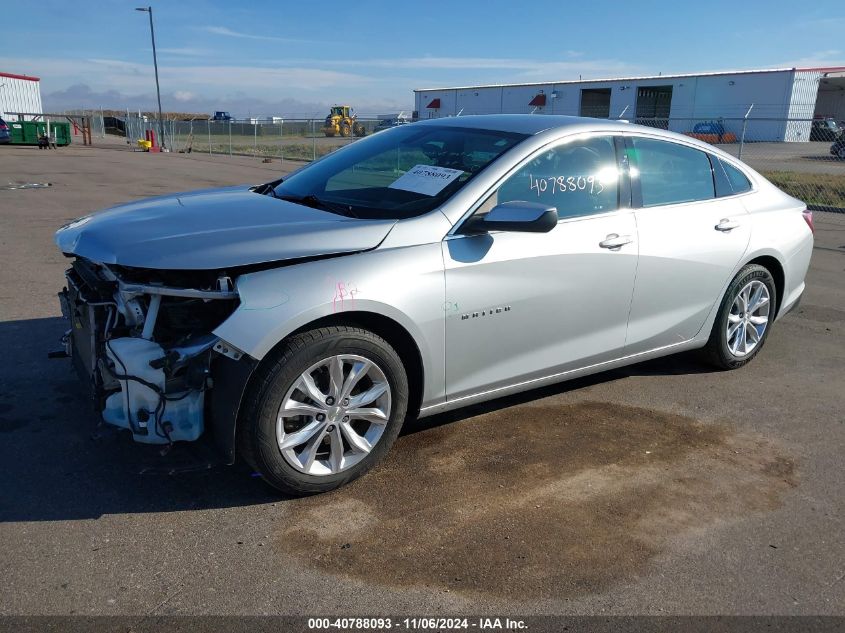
341 122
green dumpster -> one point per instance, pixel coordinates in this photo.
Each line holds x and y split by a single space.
27 132
61 132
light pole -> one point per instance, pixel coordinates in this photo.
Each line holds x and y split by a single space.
155 65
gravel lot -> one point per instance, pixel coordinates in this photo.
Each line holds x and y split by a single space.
808 158
661 488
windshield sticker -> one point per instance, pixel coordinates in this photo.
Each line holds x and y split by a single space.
425 179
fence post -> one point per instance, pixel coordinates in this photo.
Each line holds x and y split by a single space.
313 142
282 142
254 139
230 137
208 127
744 125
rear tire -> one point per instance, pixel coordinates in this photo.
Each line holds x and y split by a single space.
744 319
355 432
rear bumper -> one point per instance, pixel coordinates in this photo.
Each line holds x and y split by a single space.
792 306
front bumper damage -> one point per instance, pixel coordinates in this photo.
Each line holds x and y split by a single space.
148 356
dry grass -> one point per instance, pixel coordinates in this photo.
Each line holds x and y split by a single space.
815 189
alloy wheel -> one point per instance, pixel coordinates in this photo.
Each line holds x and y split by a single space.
748 318
333 415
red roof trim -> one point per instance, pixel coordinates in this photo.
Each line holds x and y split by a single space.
539 101
24 77
435 103
829 69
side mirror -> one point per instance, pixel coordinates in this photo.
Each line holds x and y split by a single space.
517 215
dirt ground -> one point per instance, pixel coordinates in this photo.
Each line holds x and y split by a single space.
661 488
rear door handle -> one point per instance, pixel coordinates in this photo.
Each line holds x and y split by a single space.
615 241
726 224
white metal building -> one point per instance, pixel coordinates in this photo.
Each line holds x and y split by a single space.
19 93
675 102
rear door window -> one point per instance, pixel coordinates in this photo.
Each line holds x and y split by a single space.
670 173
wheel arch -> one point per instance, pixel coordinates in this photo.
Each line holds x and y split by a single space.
238 379
775 267
768 260
389 329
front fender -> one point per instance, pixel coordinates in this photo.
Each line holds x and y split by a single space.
403 284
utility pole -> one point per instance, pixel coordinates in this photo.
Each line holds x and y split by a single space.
155 65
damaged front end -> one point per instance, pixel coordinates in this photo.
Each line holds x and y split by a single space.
142 341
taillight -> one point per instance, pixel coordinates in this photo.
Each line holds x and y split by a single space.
808 218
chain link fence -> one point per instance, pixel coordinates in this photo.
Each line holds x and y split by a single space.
283 139
804 157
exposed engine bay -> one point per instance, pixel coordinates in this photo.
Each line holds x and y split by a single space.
142 340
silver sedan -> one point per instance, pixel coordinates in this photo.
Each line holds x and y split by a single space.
298 323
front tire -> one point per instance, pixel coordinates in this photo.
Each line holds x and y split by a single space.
744 319
323 410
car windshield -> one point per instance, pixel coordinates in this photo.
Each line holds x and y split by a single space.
399 173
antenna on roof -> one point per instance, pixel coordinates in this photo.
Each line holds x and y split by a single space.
459 112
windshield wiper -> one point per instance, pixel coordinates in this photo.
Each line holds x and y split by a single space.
316 203
268 188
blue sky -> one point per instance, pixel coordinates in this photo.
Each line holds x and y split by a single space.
264 58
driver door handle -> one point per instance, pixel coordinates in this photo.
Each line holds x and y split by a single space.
726 224
615 241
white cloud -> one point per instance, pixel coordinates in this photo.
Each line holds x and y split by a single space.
368 84
186 51
463 62
517 67
102 74
829 57
226 31
81 96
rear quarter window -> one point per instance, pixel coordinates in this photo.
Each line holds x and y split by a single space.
739 181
